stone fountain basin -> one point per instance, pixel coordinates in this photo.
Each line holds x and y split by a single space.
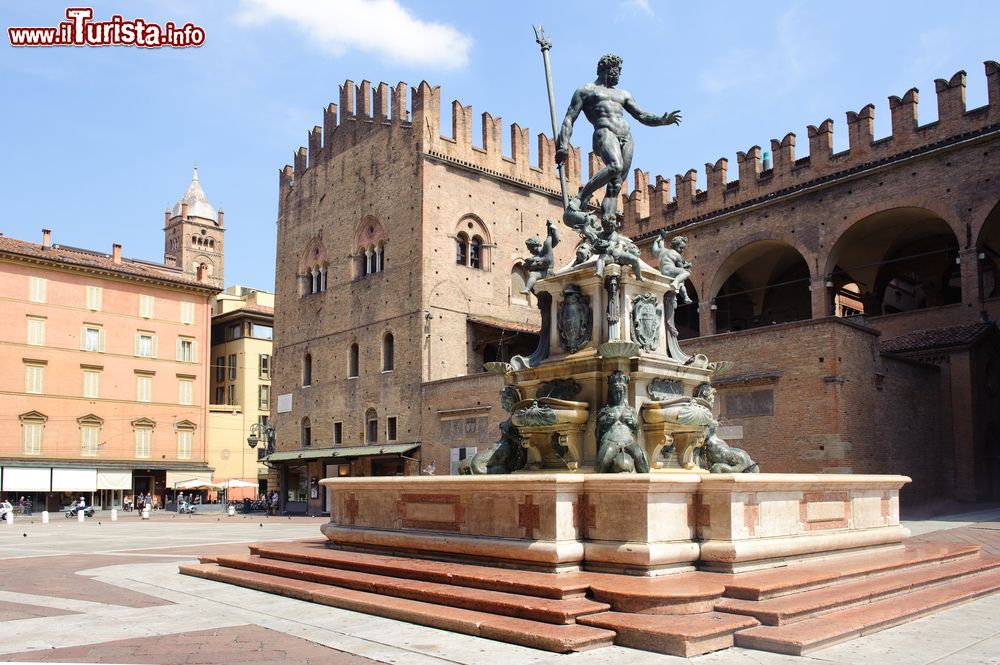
679 414
549 412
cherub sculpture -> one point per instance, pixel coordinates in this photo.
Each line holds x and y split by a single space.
542 258
672 263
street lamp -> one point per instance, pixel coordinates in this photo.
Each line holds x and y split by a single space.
264 433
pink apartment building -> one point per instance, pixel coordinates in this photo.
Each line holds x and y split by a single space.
104 359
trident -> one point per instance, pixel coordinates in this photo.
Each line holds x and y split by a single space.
545 45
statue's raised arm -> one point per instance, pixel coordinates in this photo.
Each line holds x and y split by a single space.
650 119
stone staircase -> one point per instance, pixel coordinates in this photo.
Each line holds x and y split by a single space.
793 610
805 608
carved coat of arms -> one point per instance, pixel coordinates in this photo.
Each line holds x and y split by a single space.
647 316
574 319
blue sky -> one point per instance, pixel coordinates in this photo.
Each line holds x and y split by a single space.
99 141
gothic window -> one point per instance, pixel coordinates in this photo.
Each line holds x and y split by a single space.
474 247
369 248
306 433
314 268
371 419
472 244
388 352
307 370
352 361
518 279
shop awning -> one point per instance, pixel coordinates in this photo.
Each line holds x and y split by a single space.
175 477
74 480
343 451
108 479
27 479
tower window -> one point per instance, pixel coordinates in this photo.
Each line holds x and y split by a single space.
388 352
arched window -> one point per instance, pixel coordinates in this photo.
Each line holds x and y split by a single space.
352 361
518 279
475 245
461 249
472 243
371 429
306 433
369 248
313 267
307 370
387 352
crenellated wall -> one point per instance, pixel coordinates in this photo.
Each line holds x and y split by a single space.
650 207
364 110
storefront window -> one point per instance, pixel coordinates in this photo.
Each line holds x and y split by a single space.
297 483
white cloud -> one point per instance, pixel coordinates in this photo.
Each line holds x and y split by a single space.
379 26
639 6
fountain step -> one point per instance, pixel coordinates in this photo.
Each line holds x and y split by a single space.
535 634
546 610
808 604
543 585
832 628
682 593
677 635
773 583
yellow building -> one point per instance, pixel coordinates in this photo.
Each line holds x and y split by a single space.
240 393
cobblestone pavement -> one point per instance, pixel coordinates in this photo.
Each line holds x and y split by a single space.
109 592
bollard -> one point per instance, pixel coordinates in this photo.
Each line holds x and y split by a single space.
9 518
231 511
145 513
45 517
80 516
114 514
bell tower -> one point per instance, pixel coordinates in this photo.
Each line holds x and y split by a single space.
193 235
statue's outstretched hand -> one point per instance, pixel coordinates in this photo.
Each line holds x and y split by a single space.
561 155
672 118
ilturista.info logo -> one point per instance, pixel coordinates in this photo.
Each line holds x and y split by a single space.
80 29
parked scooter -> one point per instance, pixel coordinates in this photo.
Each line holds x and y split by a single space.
187 508
73 510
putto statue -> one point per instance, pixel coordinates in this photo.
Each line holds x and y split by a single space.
604 105
673 264
542 259
617 431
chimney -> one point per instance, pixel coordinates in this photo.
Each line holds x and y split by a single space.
116 253
184 211
46 238
202 273
221 213
166 216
